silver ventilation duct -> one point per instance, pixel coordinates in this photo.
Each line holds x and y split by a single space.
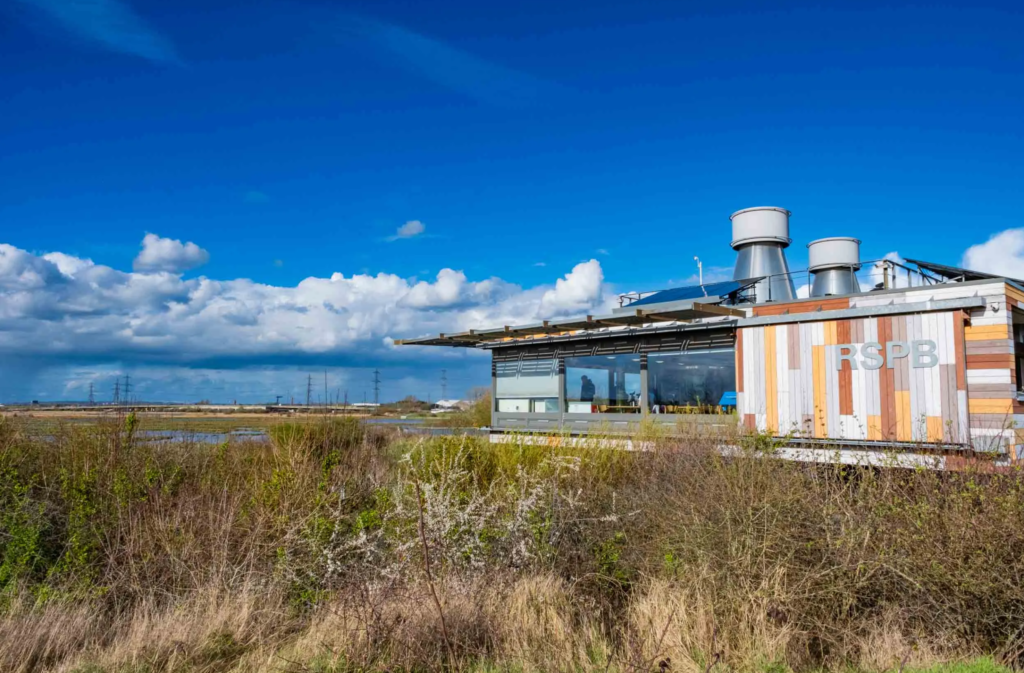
834 263
760 237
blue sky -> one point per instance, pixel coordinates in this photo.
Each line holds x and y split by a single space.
292 141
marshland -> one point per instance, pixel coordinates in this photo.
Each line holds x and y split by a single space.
335 545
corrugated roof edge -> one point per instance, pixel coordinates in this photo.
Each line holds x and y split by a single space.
508 335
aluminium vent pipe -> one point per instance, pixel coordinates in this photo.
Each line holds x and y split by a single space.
834 263
760 237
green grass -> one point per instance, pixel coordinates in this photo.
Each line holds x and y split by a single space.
979 665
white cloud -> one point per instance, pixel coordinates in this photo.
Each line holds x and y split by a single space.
579 290
1002 254
803 292
60 306
897 276
169 255
410 229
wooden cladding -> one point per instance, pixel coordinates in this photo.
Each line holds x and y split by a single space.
790 308
792 382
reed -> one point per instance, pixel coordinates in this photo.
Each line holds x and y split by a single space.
341 547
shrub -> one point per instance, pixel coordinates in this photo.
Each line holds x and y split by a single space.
337 546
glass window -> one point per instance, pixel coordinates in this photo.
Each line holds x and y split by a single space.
691 382
603 384
527 386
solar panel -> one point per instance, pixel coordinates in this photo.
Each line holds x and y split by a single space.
955 272
693 292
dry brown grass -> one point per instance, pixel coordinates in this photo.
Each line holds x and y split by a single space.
341 548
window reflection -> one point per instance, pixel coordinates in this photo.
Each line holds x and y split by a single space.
691 382
527 386
606 384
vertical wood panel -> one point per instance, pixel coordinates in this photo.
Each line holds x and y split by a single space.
918 383
807 378
846 373
820 424
782 376
760 408
739 361
903 415
770 381
831 382
886 387
790 380
958 339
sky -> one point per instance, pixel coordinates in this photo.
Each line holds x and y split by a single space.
220 198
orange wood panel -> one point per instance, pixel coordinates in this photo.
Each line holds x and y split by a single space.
987 332
874 427
802 307
818 374
1013 294
987 406
887 384
934 428
904 423
990 361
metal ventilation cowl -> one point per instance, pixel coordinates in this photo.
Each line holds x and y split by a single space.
760 237
834 263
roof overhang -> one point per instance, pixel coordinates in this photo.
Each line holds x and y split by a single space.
669 312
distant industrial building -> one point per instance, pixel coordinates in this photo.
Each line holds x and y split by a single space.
449 406
927 358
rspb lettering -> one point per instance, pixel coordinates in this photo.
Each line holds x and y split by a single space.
871 355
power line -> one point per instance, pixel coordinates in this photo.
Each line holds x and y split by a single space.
117 391
376 387
444 384
92 395
309 388
127 388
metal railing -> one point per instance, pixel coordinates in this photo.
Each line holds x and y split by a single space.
887 267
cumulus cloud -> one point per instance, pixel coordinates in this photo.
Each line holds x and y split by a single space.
1002 254
169 255
112 24
410 229
875 275
578 291
58 306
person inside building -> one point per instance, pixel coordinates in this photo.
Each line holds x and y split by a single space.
587 389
